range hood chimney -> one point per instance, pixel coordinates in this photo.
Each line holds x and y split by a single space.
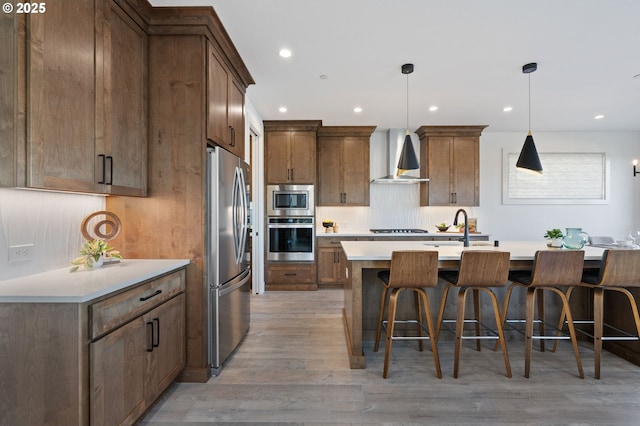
395 140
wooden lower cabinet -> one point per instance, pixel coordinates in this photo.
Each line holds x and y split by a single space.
131 366
290 276
101 362
331 261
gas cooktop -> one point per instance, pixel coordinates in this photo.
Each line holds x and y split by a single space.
399 231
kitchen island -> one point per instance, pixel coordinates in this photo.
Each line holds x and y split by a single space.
364 257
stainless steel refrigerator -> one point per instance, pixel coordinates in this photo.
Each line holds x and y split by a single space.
228 254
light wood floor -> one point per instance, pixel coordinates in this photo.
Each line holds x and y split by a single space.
292 368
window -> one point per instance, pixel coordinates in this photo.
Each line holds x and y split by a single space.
567 178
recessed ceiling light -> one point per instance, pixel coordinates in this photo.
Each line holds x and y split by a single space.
323 76
507 109
433 108
285 53
599 117
282 109
357 109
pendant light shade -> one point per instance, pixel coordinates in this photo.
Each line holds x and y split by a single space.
408 159
529 159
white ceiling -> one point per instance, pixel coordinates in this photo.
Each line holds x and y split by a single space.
468 57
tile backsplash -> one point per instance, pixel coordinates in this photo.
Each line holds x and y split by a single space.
48 220
391 206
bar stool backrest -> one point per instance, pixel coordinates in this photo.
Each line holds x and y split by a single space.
480 268
620 268
557 267
414 269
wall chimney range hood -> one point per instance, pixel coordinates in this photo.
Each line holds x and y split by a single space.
395 142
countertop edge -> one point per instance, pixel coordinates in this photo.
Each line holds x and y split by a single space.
34 291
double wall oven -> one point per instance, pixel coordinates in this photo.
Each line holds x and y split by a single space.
290 223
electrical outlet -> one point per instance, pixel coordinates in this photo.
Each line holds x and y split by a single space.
21 252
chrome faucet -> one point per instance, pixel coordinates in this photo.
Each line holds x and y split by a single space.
464 239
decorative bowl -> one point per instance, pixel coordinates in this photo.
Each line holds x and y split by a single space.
327 224
442 228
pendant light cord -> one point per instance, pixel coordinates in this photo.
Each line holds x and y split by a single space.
407 102
529 102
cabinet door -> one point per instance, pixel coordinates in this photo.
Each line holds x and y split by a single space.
236 118
168 357
217 99
440 180
465 171
302 153
277 161
61 97
355 171
329 171
326 266
117 371
125 56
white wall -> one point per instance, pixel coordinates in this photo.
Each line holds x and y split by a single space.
397 205
49 220
617 218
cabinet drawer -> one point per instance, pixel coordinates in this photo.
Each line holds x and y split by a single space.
110 313
298 274
334 242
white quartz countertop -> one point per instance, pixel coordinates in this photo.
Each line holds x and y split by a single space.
62 286
449 250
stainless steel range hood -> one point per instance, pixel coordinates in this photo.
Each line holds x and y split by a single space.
395 139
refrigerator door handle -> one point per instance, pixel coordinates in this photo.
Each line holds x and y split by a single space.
239 202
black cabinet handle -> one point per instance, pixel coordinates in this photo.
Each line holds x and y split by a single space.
104 168
233 136
290 274
150 340
110 158
143 299
157 340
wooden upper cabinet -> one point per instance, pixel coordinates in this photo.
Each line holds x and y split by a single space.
343 165
75 108
291 151
124 125
225 105
451 161
61 98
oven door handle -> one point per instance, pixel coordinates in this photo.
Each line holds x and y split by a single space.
289 226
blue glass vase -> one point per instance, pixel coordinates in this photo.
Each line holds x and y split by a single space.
575 239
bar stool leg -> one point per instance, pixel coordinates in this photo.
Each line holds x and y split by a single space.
496 312
540 302
443 302
462 293
528 347
476 310
416 302
383 301
393 299
572 331
434 343
562 318
598 314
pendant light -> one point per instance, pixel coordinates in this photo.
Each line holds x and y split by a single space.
528 159
408 159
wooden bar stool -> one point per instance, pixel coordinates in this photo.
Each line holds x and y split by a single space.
410 270
619 269
479 271
551 269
